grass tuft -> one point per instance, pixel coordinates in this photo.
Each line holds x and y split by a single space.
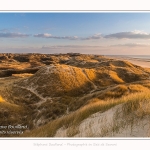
137 103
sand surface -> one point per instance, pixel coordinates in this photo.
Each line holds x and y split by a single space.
137 61
106 124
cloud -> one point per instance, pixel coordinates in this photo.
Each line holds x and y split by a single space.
47 35
66 37
131 45
94 37
43 35
4 30
88 49
136 34
70 46
9 30
13 35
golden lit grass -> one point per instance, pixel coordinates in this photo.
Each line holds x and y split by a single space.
137 88
134 108
74 119
116 92
147 69
11 114
146 84
22 75
70 120
10 107
133 112
16 65
122 63
90 74
72 79
115 77
132 115
121 90
137 104
63 79
86 58
1 99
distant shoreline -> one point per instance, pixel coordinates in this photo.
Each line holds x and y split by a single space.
137 61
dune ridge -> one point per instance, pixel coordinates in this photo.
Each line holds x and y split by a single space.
62 95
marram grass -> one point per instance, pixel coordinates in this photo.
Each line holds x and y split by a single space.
131 103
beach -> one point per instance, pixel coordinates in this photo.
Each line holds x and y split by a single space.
137 61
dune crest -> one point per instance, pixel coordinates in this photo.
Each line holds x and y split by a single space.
61 92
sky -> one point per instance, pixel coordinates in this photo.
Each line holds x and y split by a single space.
109 33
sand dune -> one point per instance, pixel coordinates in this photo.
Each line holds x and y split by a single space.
137 61
73 93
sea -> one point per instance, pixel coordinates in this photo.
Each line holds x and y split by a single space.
138 57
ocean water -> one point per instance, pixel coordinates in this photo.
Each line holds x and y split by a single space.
139 56
140 60
143 57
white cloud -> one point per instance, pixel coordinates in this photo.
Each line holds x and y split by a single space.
131 45
136 34
43 35
94 37
13 35
139 32
70 46
66 37
47 35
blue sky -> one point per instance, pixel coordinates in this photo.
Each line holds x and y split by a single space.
95 33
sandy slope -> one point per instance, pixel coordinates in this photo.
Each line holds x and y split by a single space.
106 124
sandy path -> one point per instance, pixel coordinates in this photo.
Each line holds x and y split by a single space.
43 100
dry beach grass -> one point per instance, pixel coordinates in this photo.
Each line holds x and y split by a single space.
67 91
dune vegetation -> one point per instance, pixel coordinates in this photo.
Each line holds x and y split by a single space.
136 105
55 95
